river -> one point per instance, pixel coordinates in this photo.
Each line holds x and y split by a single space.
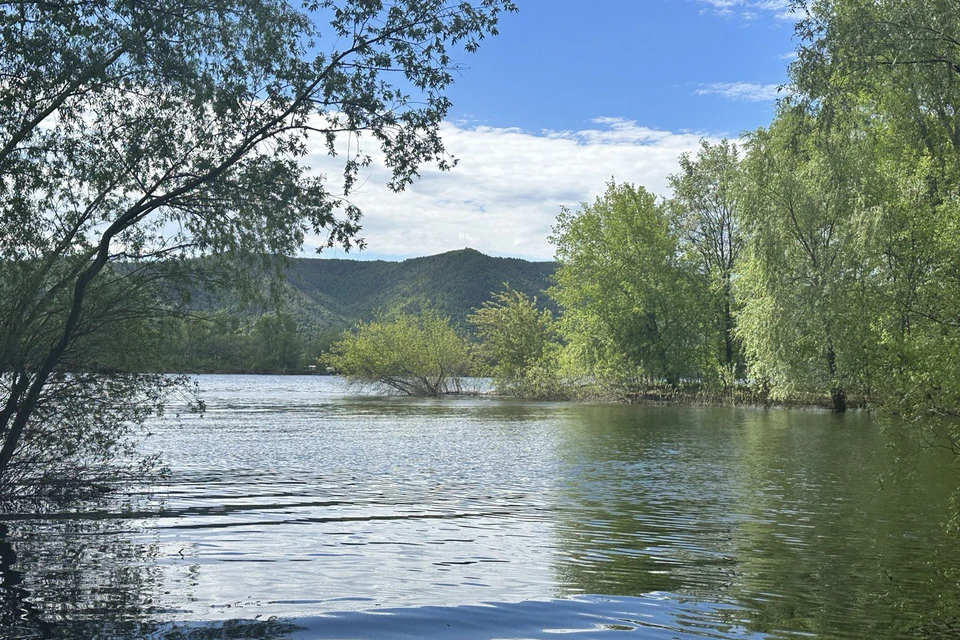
300 507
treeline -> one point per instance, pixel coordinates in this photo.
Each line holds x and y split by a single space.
231 342
820 259
817 259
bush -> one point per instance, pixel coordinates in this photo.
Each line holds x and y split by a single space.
417 355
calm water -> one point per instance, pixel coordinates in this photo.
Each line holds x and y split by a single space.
298 507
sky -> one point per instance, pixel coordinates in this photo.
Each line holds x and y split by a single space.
569 96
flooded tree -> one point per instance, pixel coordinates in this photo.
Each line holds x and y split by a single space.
520 345
419 355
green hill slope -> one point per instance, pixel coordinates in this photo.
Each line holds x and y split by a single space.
325 296
453 283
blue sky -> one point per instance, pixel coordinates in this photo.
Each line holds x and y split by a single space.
570 95
556 65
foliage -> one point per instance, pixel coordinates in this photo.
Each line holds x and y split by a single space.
418 355
900 60
633 309
705 212
278 344
807 298
894 68
136 136
521 344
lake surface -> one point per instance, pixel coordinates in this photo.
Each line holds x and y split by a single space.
298 507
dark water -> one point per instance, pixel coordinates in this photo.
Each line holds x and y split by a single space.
298 508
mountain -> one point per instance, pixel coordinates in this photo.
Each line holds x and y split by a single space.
343 292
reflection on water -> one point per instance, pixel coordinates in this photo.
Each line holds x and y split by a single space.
297 508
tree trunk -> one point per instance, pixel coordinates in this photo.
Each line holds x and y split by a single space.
727 326
839 397
837 393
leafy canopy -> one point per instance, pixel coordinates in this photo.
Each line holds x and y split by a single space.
632 309
520 344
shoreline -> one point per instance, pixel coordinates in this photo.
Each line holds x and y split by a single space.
651 396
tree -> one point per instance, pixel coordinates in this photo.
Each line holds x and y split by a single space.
277 342
633 311
805 284
419 355
134 135
706 213
896 66
900 58
521 343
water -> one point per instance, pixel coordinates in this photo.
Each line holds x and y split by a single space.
298 507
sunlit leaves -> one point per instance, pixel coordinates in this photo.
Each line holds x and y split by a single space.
633 310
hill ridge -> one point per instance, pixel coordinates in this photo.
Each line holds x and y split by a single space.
453 282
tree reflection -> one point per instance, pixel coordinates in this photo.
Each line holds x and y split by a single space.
823 547
778 513
92 574
621 526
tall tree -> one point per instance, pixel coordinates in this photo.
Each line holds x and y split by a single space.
804 285
898 63
136 134
705 211
633 311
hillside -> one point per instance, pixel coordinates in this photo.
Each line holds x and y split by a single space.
325 296
455 282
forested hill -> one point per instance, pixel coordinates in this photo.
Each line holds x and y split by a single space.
452 283
326 296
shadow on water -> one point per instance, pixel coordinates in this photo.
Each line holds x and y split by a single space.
93 580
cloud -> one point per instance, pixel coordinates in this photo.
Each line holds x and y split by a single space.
750 10
747 91
509 185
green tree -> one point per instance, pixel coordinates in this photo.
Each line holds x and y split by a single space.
706 214
521 344
420 355
137 135
805 285
900 59
277 342
897 66
633 310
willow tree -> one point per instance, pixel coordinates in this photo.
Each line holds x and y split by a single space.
134 135
898 62
805 283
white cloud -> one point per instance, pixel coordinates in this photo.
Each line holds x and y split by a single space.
748 91
750 10
509 185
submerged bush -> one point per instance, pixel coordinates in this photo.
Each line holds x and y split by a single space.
417 355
